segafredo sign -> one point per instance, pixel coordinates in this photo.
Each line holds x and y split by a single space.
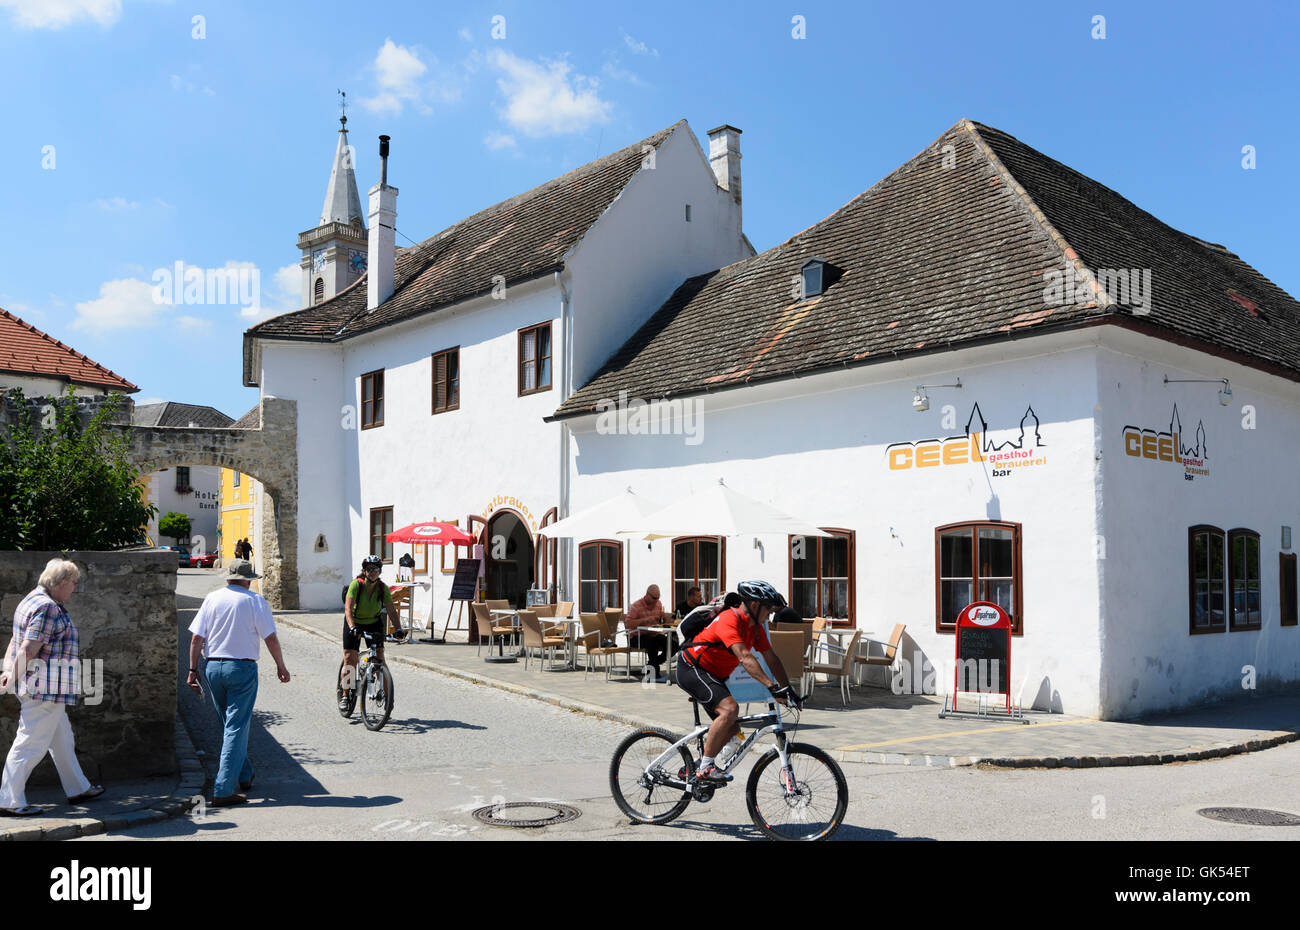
982 616
428 531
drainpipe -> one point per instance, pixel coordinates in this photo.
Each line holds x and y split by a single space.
564 546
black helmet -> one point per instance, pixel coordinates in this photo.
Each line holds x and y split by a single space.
760 591
371 561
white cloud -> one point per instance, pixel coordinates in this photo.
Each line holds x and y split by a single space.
286 297
612 70
124 303
193 323
496 141
398 71
187 85
465 34
24 312
55 14
116 204
540 98
639 48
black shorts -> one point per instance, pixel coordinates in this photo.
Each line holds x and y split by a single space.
374 634
701 685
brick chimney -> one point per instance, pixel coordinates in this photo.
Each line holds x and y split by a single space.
724 156
381 255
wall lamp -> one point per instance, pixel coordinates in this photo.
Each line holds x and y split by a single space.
1225 392
921 402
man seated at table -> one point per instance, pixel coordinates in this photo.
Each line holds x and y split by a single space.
694 598
647 611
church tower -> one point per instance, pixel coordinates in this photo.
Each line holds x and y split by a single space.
334 253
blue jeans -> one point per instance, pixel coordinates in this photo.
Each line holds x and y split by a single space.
233 686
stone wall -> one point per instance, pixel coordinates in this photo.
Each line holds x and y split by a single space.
125 613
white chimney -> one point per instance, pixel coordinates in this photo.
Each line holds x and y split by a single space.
724 156
382 242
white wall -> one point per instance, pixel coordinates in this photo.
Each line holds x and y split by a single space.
311 374
35 386
638 253
815 447
202 505
1150 660
452 464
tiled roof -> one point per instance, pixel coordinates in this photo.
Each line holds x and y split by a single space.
174 414
952 247
517 239
250 420
25 350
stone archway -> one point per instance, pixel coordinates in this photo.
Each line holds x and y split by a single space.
269 454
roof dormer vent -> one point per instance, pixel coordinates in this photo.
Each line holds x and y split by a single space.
817 275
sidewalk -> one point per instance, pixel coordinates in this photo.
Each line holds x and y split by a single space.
124 804
878 726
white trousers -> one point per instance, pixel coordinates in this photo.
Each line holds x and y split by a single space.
42 726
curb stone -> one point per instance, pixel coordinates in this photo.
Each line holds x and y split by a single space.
191 781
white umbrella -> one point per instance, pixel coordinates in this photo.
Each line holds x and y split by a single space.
718 511
624 509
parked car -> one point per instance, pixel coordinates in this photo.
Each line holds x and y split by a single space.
203 561
182 555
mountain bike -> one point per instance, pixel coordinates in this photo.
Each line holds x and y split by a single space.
375 691
794 792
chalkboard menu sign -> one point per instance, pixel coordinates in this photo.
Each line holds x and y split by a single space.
465 584
983 650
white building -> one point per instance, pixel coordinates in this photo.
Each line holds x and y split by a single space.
422 387
1128 520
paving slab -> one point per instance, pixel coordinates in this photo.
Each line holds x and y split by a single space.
877 726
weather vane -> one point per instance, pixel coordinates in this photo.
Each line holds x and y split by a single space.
343 108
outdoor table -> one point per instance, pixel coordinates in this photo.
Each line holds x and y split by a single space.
570 636
840 633
514 621
669 632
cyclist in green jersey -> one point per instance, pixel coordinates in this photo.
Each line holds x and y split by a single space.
366 609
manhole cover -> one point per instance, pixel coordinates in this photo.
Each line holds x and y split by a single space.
526 814
1251 816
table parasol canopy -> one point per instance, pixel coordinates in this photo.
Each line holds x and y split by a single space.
431 534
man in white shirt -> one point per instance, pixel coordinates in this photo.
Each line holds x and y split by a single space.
227 629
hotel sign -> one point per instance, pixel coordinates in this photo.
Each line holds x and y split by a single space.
1025 451
1168 446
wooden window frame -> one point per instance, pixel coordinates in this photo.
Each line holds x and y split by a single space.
1193 629
383 543
433 381
1289 610
422 558
537 360
186 486
1242 532
672 562
1017 571
373 376
851 621
622 580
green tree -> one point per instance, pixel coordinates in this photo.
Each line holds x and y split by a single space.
176 525
66 485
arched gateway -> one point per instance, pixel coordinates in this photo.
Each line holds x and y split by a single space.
269 454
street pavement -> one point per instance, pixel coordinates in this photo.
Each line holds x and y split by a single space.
454 746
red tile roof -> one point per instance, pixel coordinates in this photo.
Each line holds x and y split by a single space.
26 350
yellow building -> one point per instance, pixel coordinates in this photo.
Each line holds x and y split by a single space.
238 512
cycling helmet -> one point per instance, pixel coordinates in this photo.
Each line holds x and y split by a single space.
760 591
371 561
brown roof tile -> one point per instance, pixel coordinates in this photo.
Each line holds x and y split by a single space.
25 350
946 251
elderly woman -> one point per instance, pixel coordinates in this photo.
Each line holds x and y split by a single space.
44 659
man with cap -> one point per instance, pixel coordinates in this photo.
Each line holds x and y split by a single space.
226 631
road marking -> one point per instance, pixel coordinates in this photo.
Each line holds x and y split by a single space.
950 733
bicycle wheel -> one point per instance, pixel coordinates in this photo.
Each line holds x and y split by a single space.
811 808
338 693
376 696
648 802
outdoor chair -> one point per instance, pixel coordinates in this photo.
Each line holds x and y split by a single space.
840 664
789 648
486 628
543 610
534 638
889 656
594 634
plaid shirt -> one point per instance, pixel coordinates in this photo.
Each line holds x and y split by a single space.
55 674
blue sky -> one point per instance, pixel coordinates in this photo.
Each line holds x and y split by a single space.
211 150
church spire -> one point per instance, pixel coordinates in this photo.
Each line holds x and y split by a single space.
342 202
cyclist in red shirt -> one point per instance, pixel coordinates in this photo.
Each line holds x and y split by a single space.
713 655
